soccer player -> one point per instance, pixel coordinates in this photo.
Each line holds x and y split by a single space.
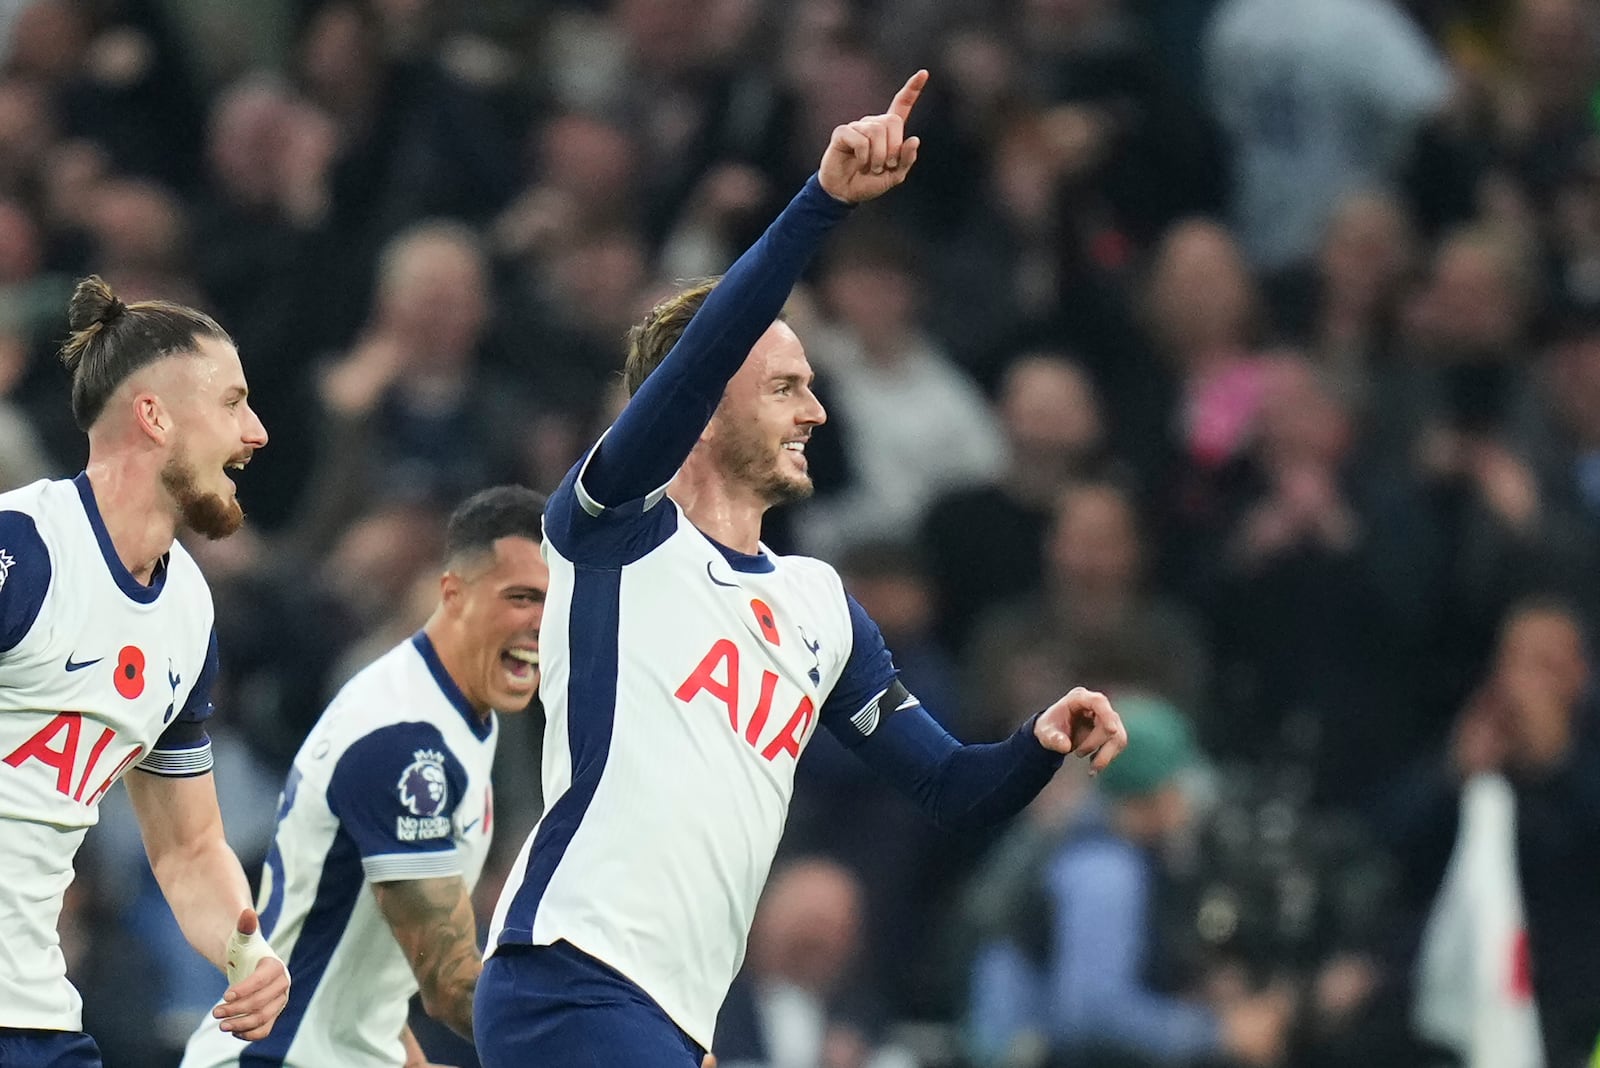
391 788
685 668
107 656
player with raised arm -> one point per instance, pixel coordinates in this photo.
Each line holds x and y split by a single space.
391 788
686 667
107 658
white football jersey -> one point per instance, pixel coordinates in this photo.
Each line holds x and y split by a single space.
98 674
392 783
681 682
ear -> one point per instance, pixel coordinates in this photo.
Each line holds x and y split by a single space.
452 588
152 417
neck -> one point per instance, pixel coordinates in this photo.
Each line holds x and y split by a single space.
451 655
136 511
718 508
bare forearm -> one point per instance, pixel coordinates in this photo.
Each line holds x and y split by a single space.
450 999
433 922
206 889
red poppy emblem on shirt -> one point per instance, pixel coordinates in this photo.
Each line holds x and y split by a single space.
130 672
766 621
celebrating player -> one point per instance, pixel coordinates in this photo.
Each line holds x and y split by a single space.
107 657
391 787
686 667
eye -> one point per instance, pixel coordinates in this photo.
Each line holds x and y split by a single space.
784 389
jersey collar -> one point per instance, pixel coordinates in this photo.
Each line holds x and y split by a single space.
481 726
132 587
756 563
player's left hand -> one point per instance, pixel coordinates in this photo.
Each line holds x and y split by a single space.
1083 722
251 1004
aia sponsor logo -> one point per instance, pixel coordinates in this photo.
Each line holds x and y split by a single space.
717 675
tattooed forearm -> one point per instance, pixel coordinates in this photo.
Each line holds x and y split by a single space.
432 920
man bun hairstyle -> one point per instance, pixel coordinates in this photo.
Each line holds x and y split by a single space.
491 514
111 340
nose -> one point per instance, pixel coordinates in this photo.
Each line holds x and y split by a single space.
814 414
255 432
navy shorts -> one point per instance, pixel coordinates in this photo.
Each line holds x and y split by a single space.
558 1005
26 1048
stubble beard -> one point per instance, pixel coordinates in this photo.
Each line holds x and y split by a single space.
750 461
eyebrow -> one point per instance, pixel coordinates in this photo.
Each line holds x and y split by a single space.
524 591
235 391
795 379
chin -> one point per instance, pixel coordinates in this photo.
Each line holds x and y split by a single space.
787 489
509 702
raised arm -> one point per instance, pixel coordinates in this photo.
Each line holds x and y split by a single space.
656 431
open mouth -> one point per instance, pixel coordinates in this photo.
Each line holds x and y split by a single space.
234 465
797 449
521 663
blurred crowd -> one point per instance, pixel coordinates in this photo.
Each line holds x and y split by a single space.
1238 357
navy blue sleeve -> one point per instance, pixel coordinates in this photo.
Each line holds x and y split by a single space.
654 434
960 786
184 747
395 792
24 577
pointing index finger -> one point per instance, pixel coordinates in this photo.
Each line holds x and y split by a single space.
906 98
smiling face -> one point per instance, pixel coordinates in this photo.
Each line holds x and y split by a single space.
211 428
759 432
492 605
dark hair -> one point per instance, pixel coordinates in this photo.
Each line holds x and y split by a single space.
489 515
650 339
111 340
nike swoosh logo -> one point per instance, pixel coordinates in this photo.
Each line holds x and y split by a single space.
909 702
719 582
469 826
80 665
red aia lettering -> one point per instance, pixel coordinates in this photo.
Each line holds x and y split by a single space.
726 654
38 748
788 739
42 747
127 762
717 674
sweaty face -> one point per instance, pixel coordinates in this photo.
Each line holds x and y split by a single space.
499 605
760 430
213 429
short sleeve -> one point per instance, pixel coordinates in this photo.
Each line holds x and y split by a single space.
24 577
869 689
184 747
395 792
